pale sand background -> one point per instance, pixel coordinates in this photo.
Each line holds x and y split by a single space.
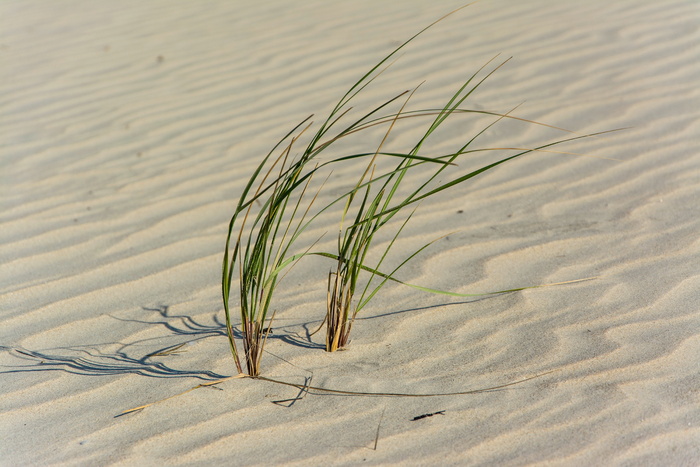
120 169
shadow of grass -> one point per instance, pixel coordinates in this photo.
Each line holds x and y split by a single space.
115 358
128 358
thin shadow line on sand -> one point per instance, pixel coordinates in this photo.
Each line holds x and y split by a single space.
428 307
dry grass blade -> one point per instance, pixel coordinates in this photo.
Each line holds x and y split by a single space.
173 350
202 385
307 389
341 392
379 426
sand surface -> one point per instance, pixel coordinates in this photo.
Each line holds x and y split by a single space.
128 130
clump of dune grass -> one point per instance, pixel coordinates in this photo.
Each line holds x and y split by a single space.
272 213
378 199
377 205
269 218
263 253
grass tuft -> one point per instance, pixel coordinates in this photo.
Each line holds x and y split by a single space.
273 211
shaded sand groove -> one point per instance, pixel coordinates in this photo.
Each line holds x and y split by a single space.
129 129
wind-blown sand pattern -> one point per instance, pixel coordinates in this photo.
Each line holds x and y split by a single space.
129 129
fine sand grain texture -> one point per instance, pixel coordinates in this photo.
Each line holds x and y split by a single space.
128 130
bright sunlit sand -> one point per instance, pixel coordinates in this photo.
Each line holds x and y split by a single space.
129 130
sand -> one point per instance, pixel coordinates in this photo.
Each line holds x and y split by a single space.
130 128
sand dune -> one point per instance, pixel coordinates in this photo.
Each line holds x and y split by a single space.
130 128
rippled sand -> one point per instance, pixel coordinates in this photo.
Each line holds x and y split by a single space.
129 129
